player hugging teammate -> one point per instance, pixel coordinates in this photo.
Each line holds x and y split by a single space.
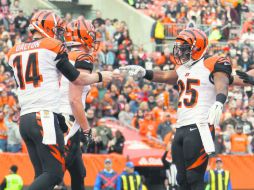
42 69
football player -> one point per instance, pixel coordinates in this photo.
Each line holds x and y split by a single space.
37 67
203 88
81 41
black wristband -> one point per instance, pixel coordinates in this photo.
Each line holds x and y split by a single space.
149 75
221 98
100 76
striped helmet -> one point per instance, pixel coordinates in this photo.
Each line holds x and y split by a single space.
81 32
190 46
48 24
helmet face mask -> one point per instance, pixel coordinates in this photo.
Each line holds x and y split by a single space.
59 33
182 52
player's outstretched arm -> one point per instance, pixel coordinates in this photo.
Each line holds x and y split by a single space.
169 77
77 78
138 72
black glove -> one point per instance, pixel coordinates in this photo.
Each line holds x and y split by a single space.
87 137
245 77
62 123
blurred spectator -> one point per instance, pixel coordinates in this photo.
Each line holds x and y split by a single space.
248 37
14 137
247 125
219 141
117 143
239 141
192 22
232 15
110 29
215 34
68 17
3 133
96 146
106 56
158 111
129 176
6 39
170 169
137 119
148 126
104 135
91 118
13 180
5 6
21 23
125 116
158 34
165 127
109 106
245 60
106 179
136 60
15 7
98 20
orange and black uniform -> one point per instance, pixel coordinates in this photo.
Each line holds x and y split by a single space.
43 60
188 151
73 154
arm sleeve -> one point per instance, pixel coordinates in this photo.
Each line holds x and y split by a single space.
84 61
223 65
66 68
97 185
166 164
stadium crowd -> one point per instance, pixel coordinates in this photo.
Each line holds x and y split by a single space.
148 107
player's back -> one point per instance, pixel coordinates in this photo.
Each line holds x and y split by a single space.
34 66
196 89
74 57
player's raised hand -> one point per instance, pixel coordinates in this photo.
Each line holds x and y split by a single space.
215 113
245 77
135 71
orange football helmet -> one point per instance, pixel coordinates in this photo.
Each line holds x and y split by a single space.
48 24
190 46
81 32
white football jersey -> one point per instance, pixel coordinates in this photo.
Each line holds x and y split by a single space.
65 107
37 76
196 90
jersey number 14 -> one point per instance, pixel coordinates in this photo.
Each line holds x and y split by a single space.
32 74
